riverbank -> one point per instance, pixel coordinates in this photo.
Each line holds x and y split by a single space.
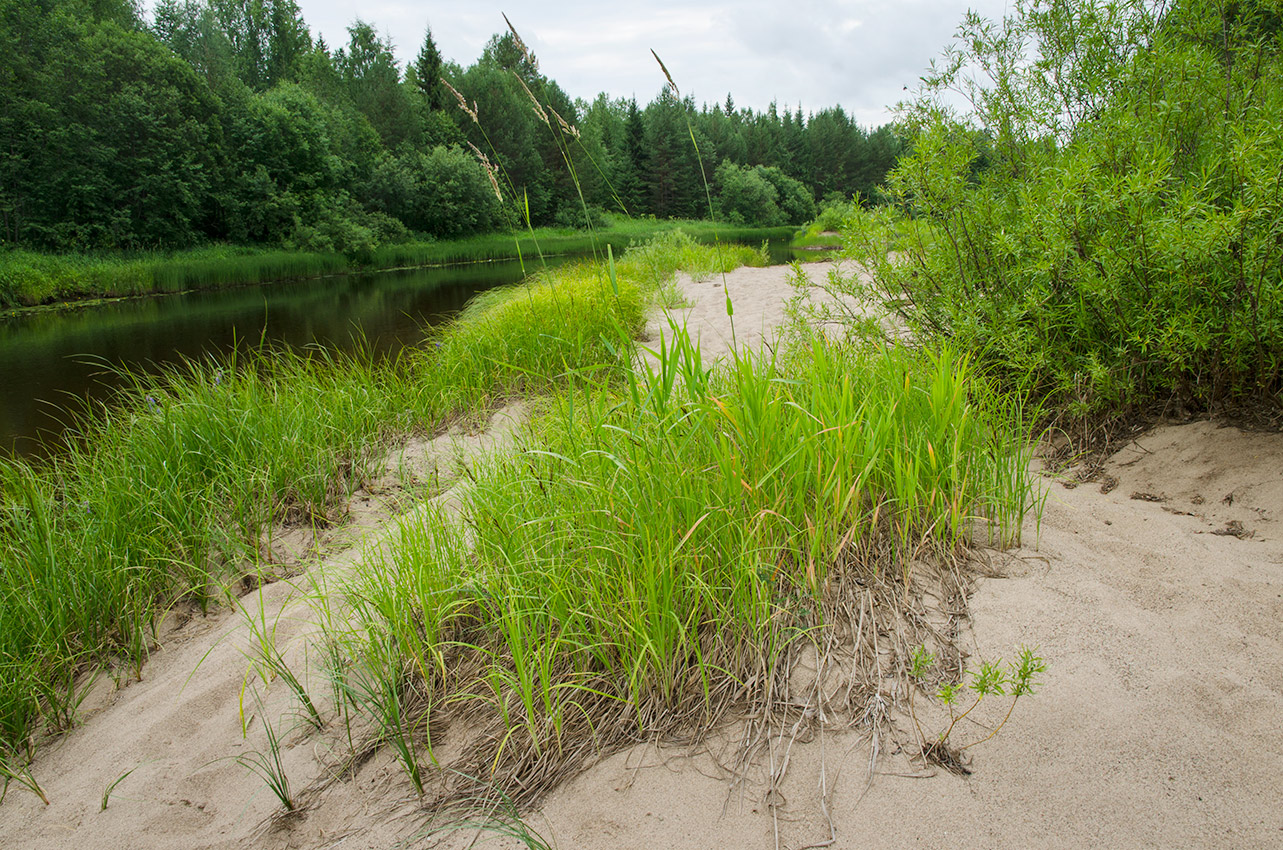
30 279
1151 586
167 494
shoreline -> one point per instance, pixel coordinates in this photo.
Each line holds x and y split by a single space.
65 281
1159 721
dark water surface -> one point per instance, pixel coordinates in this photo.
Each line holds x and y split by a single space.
51 361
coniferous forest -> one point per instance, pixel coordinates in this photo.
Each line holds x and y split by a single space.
227 121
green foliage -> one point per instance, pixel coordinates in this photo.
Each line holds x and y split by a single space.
657 539
833 215
1108 233
108 139
443 193
993 679
593 218
226 122
746 196
762 196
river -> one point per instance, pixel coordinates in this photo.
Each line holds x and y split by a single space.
53 362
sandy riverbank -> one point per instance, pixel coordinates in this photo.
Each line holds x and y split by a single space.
1155 592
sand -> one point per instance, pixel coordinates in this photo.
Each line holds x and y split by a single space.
1154 591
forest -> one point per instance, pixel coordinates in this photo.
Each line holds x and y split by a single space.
226 121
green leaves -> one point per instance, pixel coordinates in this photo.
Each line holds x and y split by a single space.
1104 229
993 679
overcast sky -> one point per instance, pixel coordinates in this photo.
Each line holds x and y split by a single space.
857 53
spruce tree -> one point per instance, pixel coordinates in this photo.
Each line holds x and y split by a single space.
427 68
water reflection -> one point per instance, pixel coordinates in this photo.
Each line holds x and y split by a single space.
52 361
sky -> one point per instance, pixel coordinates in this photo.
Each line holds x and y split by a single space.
816 53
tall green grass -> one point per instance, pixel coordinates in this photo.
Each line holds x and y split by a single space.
655 549
28 278
167 492
660 547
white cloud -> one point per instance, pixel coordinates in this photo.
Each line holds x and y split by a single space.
857 53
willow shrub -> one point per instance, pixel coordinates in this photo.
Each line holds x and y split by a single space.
1105 227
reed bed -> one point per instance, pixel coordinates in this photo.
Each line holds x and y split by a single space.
660 551
168 491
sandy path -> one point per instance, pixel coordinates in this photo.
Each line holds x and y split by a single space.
1160 725
759 298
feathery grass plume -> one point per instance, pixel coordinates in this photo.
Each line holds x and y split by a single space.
521 45
470 111
567 128
534 101
489 167
672 86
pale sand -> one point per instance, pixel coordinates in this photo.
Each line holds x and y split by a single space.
1160 724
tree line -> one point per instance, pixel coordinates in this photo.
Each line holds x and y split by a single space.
228 121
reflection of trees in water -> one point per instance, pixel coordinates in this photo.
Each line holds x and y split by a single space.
53 360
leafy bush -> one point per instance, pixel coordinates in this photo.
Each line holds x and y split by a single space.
1104 225
833 215
443 193
575 217
797 206
761 196
746 196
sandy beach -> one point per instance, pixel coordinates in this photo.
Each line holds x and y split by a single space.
1153 587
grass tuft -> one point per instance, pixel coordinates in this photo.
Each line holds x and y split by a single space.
662 546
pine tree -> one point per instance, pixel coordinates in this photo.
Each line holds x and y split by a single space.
635 162
427 68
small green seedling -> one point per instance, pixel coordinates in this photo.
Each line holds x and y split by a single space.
992 679
106 794
270 767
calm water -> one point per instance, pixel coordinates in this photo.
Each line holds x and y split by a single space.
51 361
